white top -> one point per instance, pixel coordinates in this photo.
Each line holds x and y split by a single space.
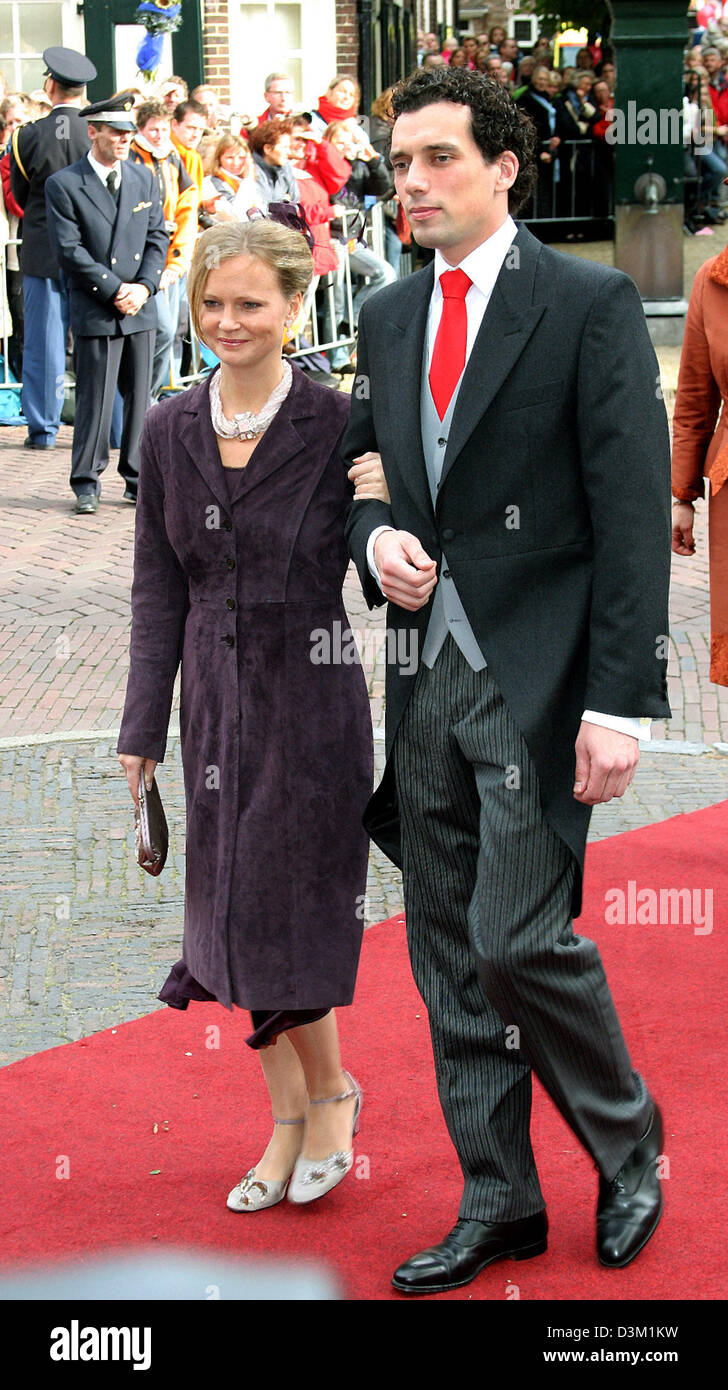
103 170
483 266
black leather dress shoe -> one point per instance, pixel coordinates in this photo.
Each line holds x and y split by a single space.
29 443
469 1247
630 1206
130 495
86 502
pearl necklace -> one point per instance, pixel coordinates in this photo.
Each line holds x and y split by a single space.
246 425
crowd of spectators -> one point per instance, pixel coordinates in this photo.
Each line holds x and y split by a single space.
705 124
214 164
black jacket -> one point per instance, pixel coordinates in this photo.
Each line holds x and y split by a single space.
38 150
367 179
559 415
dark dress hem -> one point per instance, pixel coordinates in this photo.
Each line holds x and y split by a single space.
180 988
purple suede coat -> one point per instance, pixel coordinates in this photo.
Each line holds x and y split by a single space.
276 748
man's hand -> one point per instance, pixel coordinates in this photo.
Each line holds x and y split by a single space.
407 574
605 763
130 298
168 277
683 516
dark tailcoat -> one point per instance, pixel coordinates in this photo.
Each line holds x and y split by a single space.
553 508
38 150
100 246
276 745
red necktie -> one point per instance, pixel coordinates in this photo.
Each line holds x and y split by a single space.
448 357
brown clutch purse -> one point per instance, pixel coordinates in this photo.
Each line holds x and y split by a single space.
150 829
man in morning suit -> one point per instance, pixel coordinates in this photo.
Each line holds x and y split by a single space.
38 150
107 226
512 393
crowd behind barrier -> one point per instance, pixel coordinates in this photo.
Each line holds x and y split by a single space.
214 164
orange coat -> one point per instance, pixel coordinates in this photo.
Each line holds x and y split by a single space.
700 435
192 162
181 201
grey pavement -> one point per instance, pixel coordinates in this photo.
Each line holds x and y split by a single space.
86 937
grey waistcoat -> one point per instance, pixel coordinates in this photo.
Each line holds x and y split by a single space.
448 614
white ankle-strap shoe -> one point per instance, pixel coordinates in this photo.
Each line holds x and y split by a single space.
314 1177
254 1194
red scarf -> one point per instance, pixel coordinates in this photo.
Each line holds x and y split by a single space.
334 113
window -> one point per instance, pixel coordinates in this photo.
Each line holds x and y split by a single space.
27 27
293 36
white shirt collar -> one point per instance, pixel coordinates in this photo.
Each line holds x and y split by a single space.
484 263
103 170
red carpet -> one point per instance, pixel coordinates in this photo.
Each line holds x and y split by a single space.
90 1109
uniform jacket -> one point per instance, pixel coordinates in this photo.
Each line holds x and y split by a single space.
554 504
100 246
180 200
38 150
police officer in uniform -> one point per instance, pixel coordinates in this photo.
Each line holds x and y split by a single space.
107 225
38 150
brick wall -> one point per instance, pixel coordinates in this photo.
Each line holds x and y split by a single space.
347 38
215 46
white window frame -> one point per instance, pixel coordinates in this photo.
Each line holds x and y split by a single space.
317 54
521 16
72 36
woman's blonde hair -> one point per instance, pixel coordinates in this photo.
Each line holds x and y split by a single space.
281 248
334 128
227 142
382 105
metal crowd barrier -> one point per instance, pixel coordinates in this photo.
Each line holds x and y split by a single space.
584 169
374 228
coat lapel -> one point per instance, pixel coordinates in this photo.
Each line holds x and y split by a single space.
276 447
406 349
100 196
508 323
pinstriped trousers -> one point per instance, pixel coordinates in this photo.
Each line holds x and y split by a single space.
508 985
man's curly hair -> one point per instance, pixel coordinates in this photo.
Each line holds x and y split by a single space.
497 123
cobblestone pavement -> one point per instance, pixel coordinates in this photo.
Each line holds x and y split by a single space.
86 938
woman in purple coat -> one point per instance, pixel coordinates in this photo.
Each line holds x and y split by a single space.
239 563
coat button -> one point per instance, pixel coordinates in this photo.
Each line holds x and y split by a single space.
227 524
136 255
229 602
229 639
447 534
230 563
113 260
